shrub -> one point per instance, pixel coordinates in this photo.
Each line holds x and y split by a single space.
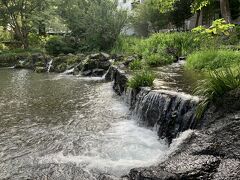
99 23
136 65
126 45
215 86
142 78
55 46
158 59
213 59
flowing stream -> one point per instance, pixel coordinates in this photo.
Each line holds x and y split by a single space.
68 127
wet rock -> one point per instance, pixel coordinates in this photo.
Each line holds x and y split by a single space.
60 68
117 57
128 60
108 177
96 61
101 56
98 72
210 153
119 78
40 69
230 102
87 73
156 174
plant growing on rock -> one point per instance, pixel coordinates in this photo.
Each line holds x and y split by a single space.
216 86
142 78
136 65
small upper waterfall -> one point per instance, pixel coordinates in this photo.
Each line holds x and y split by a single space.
49 65
168 111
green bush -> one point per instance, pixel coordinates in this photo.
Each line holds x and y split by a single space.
160 48
56 45
215 86
158 59
142 78
98 23
136 65
126 45
213 59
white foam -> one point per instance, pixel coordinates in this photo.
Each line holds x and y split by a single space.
124 146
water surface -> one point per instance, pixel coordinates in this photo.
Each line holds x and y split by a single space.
65 127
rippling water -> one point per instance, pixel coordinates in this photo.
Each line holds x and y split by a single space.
65 127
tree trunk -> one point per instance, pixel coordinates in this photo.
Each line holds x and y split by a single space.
225 10
198 17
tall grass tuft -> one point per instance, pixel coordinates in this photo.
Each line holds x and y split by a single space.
142 78
213 59
136 65
215 86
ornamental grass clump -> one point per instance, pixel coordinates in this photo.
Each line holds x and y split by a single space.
143 78
136 65
216 86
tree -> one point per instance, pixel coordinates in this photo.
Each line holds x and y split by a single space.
147 17
19 15
225 10
197 5
96 22
181 11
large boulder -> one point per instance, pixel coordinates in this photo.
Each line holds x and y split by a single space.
98 64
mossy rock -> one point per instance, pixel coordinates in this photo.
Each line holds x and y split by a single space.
61 68
40 70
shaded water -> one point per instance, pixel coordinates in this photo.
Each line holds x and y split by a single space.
64 127
177 78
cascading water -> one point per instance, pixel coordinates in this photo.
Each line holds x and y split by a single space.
168 111
49 65
61 127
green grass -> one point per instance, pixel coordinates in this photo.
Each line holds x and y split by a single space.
142 78
213 59
158 49
215 86
136 65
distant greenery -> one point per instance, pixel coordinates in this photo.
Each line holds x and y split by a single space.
97 24
215 86
160 48
142 78
56 45
213 59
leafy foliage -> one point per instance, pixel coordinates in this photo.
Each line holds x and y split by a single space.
136 65
97 23
56 45
142 78
219 27
215 86
147 18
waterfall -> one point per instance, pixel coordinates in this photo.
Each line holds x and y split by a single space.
69 71
49 65
168 112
